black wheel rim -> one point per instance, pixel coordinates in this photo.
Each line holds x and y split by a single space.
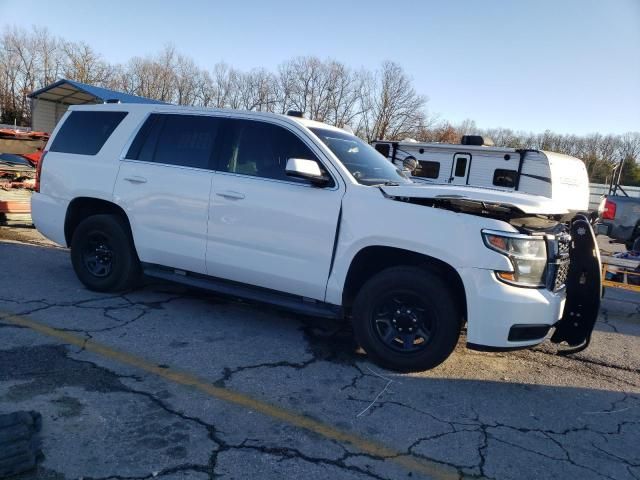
403 322
97 256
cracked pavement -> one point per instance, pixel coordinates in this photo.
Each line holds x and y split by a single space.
524 414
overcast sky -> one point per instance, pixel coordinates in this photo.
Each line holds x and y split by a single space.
572 66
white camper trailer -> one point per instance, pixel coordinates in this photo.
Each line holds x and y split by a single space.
476 162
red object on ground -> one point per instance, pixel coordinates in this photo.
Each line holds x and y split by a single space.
15 201
15 207
27 135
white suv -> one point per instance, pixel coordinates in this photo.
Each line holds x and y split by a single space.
280 209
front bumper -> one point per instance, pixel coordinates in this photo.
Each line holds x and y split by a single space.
495 308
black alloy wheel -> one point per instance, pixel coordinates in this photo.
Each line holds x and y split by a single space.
98 255
407 318
103 254
403 321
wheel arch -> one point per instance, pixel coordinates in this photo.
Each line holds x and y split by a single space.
371 260
81 208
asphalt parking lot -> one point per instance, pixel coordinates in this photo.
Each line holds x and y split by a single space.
167 382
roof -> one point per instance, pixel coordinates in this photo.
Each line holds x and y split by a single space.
166 108
76 93
412 144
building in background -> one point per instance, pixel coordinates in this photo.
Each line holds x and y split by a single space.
49 104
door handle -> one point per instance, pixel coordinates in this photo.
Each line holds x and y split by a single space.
136 179
231 195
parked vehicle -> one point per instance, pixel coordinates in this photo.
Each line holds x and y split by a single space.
308 217
477 162
619 219
619 214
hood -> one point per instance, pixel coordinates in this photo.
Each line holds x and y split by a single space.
525 203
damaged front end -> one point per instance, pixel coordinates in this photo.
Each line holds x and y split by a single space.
573 259
574 266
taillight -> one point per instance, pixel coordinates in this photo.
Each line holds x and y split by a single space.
609 210
39 171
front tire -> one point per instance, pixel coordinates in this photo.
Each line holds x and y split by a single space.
406 319
103 254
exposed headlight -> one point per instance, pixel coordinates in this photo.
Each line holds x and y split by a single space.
527 254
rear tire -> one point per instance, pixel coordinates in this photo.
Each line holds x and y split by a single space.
103 254
406 319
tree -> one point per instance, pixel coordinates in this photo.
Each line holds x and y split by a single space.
82 64
375 104
391 107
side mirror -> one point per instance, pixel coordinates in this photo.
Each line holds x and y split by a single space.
308 170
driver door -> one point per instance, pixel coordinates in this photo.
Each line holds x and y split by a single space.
265 228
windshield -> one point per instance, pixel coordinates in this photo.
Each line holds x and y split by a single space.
366 165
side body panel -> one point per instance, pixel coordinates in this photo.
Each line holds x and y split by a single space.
484 165
626 223
168 209
278 235
570 181
274 233
536 177
67 176
370 219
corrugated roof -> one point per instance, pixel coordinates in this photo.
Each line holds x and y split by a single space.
76 93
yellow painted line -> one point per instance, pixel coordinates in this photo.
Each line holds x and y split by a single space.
417 465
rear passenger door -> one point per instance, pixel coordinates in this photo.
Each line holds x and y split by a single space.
164 185
265 228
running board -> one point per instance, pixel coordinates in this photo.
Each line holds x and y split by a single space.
302 305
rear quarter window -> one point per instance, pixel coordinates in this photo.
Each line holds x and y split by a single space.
85 133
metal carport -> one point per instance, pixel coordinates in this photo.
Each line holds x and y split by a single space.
50 103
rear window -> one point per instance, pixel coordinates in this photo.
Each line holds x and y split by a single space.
85 133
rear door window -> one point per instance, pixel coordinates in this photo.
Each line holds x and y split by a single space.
85 133
182 140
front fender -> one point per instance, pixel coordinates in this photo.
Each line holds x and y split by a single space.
453 238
